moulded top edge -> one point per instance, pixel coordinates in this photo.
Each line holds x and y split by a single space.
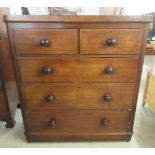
84 18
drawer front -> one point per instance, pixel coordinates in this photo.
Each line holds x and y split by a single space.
78 69
110 41
78 121
80 96
3 106
46 41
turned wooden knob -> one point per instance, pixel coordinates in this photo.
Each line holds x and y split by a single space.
52 123
108 70
44 42
47 70
104 122
50 98
111 42
107 98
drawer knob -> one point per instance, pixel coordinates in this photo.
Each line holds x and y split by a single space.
52 123
111 42
44 42
107 98
50 98
108 70
104 122
47 70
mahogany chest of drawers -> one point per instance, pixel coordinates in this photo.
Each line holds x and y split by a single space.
78 76
8 88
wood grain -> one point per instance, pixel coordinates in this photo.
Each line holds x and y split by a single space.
68 19
93 41
149 51
3 106
78 121
43 137
78 96
9 86
78 70
62 41
77 80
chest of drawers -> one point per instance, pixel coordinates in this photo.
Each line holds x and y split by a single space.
78 76
8 88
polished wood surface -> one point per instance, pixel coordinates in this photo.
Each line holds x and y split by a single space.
90 94
42 137
61 19
78 121
78 96
8 96
61 41
78 70
94 41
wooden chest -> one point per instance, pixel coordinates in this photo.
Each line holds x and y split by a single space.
78 76
8 88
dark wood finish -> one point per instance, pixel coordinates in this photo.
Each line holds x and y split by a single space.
82 25
8 93
140 65
89 19
79 121
78 69
77 96
3 106
0 81
59 41
35 137
110 41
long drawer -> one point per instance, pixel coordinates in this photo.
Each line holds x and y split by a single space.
78 96
78 121
110 41
46 41
43 69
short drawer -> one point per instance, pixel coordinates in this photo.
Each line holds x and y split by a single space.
78 121
45 41
3 106
43 69
110 41
78 96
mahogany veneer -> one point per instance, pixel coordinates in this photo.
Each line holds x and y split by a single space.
78 76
